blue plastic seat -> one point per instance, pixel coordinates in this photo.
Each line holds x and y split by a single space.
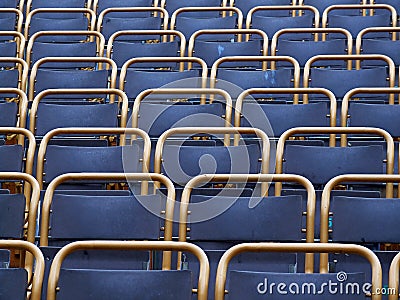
11 19
246 5
322 5
172 5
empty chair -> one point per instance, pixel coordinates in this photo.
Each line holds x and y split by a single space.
45 117
336 211
155 116
100 5
242 78
11 19
341 80
322 5
271 19
13 73
366 44
173 5
212 224
127 44
356 21
12 44
183 20
116 19
54 160
134 79
275 119
50 44
13 108
246 5
163 284
212 50
68 76
18 283
54 19
266 283
303 50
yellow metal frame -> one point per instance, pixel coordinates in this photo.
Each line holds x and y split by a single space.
348 97
155 10
238 32
222 9
255 91
394 277
183 91
19 40
264 178
91 16
204 273
163 33
18 13
349 58
292 7
100 42
325 202
122 100
169 209
181 60
112 131
335 130
364 7
297 247
265 151
37 279
98 60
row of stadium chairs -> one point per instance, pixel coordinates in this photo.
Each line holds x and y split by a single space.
139 18
177 284
88 216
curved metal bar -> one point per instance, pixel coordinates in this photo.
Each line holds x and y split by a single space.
293 8
224 10
169 209
336 130
184 91
163 33
329 94
351 94
100 41
121 131
325 203
122 98
18 13
125 245
264 178
215 130
387 59
394 278
99 60
299 247
37 279
162 11
88 12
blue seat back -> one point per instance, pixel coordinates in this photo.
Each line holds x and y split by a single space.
12 216
14 284
104 4
113 24
11 158
381 46
8 114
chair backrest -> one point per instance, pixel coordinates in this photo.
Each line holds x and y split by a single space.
100 5
133 81
14 73
11 19
173 5
68 19
127 44
212 50
46 117
34 4
322 5
43 79
163 284
13 4
356 22
320 164
246 5
255 285
12 44
182 163
303 50
159 116
17 283
189 25
275 119
91 159
116 19
53 44
13 113
340 80
289 18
